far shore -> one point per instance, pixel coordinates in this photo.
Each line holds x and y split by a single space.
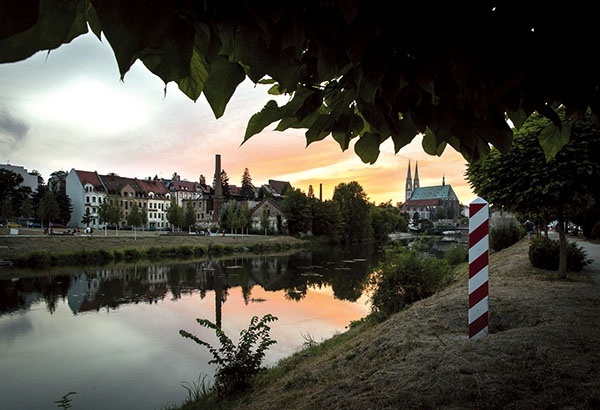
29 240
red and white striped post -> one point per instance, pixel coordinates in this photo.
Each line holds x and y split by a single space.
478 268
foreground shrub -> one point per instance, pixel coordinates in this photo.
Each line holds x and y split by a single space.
237 365
406 277
505 235
457 255
132 254
39 259
544 253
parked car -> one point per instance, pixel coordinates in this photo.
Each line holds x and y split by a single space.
13 225
34 225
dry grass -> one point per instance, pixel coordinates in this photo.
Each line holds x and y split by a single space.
542 352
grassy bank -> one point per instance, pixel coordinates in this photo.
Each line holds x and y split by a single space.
541 352
33 249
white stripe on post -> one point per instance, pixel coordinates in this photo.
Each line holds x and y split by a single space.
478 268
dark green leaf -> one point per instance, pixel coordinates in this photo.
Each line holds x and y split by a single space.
406 133
553 139
318 129
268 115
59 22
432 144
367 147
222 82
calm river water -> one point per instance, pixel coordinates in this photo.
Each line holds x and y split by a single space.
110 334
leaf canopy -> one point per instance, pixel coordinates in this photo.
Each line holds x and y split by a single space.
354 69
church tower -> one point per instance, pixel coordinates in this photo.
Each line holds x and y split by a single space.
416 181
409 184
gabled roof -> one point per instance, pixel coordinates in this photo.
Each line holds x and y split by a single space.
153 185
92 178
183 186
433 192
268 202
279 186
114 183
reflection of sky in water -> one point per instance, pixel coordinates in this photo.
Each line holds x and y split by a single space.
133 357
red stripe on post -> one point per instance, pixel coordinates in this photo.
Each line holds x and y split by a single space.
478 264
478 295
478 325
479 233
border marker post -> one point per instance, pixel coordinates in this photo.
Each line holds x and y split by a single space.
478 268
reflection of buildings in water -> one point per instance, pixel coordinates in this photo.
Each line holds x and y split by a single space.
113 287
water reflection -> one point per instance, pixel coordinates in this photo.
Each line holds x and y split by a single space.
107 288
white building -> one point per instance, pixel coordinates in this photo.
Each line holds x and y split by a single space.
29 180
87 193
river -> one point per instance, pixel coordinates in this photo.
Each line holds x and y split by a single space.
111 334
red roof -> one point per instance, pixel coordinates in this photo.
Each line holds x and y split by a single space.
88 177
151 185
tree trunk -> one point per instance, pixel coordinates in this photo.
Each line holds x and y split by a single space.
562 240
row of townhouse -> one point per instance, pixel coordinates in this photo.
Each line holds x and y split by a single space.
89 190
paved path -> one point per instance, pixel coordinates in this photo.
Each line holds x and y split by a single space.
592 251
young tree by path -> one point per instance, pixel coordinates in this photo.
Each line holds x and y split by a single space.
523 180
136 218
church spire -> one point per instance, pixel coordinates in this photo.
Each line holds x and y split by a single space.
416 181
443 179
409 184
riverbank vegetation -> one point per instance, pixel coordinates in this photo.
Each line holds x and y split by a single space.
36 250
406 276
539 351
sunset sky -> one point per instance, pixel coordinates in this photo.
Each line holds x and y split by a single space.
69 109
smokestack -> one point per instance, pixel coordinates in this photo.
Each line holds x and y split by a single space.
321 192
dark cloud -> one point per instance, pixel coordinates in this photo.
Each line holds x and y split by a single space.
12 129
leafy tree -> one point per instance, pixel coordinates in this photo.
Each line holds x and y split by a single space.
524 180
48 209
136 217
27 208
189 215
264 220
247 190
296 208
385 219
111 213
65 208
445 71
87 217
327 220
234 217
224 178
354 206
11 193
264 193
175 214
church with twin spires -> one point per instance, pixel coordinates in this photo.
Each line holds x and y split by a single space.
433 202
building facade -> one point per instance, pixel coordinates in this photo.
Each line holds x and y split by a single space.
433 203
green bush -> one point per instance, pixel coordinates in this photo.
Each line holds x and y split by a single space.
236 365
153 253
544 253
457 255
132 254
216 249
505 235
405 277
39 259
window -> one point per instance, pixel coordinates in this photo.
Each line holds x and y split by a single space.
94 199
87 199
